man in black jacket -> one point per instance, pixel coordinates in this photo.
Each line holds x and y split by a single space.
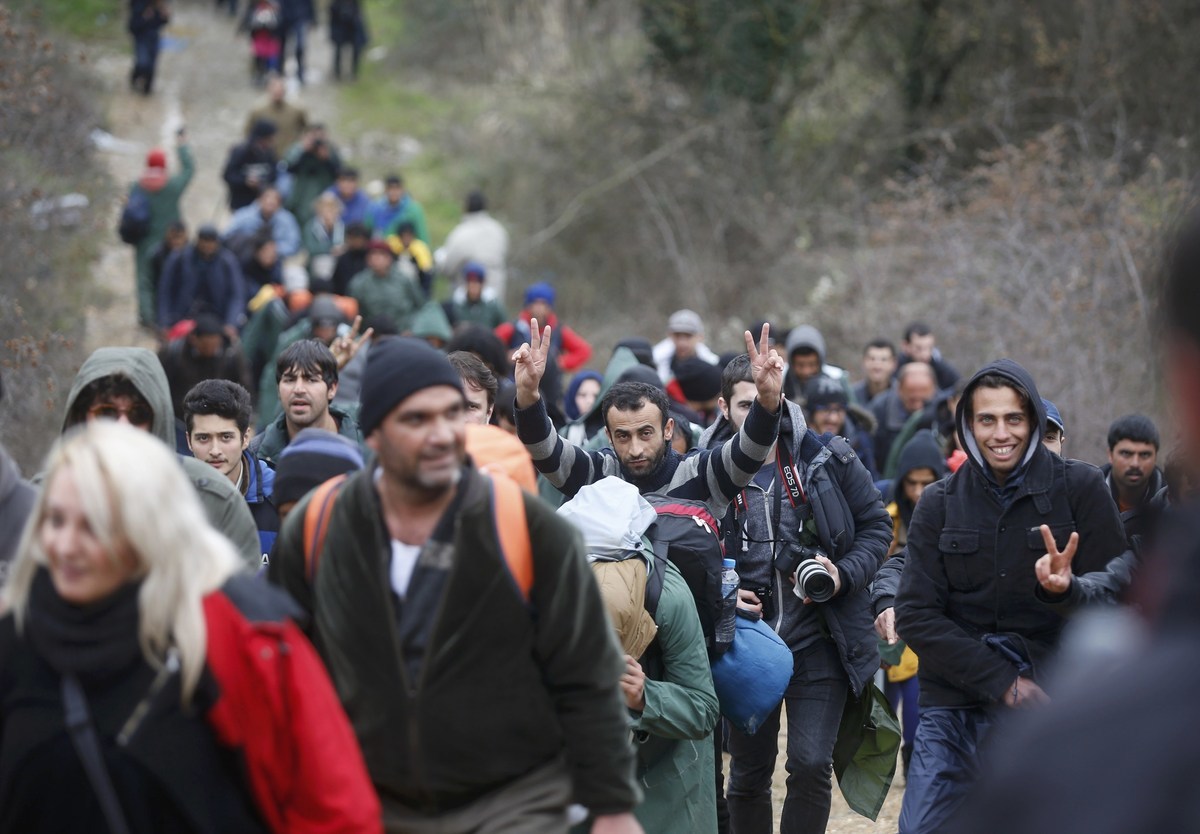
1132 473
1115 753
835 514
967 602
251 165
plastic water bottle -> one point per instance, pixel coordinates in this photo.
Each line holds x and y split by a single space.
727 625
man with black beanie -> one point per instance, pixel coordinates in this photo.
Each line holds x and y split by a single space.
463 665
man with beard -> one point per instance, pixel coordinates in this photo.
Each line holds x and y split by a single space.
473 713
640 431
306 374
968 602
1132 472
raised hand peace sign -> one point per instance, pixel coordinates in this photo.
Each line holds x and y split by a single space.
1054 567
529 364
345 347
767 367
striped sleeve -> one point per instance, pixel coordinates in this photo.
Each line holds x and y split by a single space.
716 475
567 466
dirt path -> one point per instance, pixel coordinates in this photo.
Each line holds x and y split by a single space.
204 83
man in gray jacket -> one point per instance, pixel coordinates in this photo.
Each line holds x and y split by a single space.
812 506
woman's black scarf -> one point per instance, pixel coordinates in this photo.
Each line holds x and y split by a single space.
92 641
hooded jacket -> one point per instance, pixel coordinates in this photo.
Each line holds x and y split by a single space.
807 336
972 545
226 510
852 528
16 503
922 452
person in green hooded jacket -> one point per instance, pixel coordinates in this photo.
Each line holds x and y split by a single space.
128 384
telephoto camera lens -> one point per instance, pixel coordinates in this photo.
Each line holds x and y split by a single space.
815 580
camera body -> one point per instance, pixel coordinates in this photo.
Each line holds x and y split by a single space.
766 596
812 578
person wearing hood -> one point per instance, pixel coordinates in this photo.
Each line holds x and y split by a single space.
921 464
163 194
836 511
583 393
128 384
967 601
806 359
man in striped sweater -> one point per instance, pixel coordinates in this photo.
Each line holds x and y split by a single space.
639 428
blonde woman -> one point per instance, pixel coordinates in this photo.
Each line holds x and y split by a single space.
145 684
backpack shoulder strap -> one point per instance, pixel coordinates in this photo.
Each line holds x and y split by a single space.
316 522
654 578
512 530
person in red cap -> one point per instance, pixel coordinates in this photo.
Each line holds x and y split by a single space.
161 193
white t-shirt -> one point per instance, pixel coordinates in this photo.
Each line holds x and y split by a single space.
404 561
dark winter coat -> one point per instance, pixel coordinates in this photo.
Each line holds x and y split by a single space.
191 285
243 159
852 528
971 551
462 666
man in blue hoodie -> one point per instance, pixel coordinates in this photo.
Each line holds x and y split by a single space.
967 603
217 415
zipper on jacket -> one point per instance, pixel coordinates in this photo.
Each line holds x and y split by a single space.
134 721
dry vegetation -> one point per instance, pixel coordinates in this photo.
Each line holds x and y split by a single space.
1005 170
47 108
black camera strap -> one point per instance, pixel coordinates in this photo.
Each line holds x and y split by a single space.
789 477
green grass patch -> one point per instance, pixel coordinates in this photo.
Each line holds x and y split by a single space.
85 20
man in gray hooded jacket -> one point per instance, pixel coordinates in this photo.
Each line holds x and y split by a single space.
128 383
814 499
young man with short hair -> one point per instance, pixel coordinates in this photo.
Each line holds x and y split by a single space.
479 386
879 365
306 374
217 415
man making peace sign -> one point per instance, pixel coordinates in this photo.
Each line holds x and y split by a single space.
990 551
640 430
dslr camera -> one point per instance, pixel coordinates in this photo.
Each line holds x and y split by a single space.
812 579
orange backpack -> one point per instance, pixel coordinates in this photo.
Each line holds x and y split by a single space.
508 514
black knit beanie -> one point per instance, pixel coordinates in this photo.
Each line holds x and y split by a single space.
398 367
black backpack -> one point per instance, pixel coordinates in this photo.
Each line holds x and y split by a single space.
135 218
687 535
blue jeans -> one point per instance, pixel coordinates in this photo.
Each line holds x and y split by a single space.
815 699
145 53
295 33
903 695
945 765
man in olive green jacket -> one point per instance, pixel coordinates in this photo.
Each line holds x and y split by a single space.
473 703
